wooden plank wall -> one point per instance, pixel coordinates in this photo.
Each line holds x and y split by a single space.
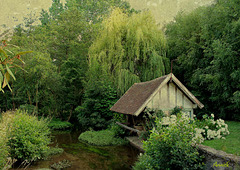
168 97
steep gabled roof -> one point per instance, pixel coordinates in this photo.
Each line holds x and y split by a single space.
136 98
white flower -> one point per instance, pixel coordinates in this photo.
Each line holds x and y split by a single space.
173 118
212 115
165 121
212 121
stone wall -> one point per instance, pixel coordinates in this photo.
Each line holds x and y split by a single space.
219 160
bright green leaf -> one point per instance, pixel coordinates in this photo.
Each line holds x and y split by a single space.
10 72
25 52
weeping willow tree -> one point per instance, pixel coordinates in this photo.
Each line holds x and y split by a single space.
130 49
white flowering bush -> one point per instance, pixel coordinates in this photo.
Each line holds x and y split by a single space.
211 129
169 120
170 145
205 129
198 136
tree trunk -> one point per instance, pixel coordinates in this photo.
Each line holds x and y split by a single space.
28 94
13 103
37 97
70 115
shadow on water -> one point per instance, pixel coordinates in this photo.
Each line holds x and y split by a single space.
84 156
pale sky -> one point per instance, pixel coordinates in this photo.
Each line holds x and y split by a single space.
13 11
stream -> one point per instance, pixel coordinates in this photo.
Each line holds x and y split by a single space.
83 156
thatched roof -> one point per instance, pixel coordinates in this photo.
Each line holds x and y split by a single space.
137 97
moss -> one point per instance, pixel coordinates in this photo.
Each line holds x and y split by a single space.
61 164
101 138
54 151
86 147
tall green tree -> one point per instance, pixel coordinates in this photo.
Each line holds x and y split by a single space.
206 44
39 85
56 70
54 11
130 48
69 36
96 10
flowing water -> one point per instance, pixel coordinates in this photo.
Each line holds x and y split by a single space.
84 156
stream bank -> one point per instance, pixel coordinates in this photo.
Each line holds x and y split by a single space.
86 157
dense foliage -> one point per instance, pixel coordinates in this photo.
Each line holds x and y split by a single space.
4 149
28 137
55 71
119 57
94 112
206 44
130 49
88 53
56 124
8 60
171 147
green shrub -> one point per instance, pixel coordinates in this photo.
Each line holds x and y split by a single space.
28 108
176 110
143 163
3 151
56 124
28 137
3 140
117 130
95 112
101 138
171 147
150 116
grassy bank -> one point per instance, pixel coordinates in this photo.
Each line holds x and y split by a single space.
232 142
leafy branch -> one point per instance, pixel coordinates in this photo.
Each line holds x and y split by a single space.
7 62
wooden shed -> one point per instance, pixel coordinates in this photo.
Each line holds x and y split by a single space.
163 93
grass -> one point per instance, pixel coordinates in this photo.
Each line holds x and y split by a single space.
232 142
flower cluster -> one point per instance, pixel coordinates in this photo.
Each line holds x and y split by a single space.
198 137
169 120
212 129
206 129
